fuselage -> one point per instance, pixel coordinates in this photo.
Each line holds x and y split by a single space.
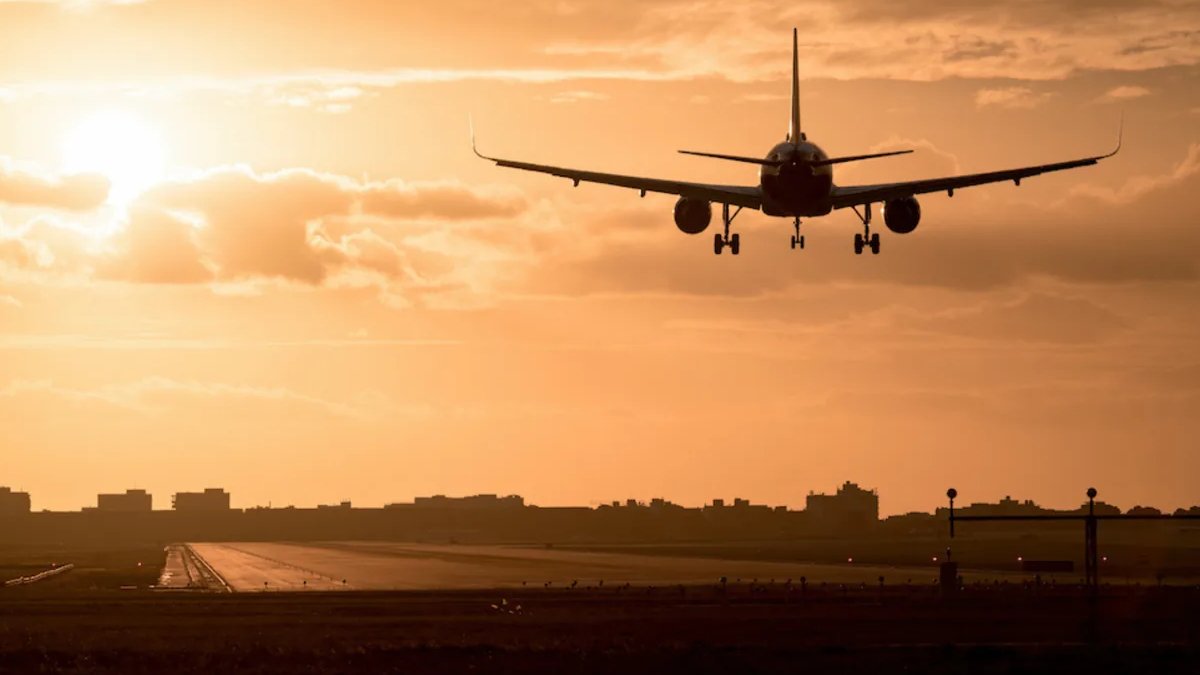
795 187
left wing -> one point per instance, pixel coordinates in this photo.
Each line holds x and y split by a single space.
735 195
856 195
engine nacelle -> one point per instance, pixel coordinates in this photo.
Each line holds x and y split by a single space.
692 215
902 215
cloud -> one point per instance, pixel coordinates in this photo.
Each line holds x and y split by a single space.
1137 187
155 247
154 395
77 4
578 96
1097 236
23 187
1123 93
446 200
252 225
1022 98
634 41
905 40
446 244
1034 317
294 225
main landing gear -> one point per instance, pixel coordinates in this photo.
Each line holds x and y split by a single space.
866 239
797 239
732 241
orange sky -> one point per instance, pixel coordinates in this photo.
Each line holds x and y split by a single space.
245 244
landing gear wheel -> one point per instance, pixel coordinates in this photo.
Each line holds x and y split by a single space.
797 239
721 240
875 244
858 244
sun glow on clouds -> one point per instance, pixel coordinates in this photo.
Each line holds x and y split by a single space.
122 147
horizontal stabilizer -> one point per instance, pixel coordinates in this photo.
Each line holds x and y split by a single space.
856 158
734 158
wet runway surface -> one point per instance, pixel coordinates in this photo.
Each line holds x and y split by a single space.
263 567
258 566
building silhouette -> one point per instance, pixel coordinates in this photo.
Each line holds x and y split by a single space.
851 508
13 503
212 499
131 501
1005 507
484 501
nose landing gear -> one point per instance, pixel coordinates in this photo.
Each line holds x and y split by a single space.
866 239
797 239
720 241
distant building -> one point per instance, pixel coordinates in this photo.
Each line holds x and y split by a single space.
474 502
132 501
1101 509
342 506
1005 507
13 503
852 508
212 499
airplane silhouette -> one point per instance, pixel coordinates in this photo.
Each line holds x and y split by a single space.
796 181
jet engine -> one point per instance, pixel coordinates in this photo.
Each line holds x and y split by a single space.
902 215
692 215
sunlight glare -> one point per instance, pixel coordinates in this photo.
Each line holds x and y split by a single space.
121 146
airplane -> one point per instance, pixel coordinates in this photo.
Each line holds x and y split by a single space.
796 181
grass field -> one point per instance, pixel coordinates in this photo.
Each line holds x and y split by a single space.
611 631
96 568
81 623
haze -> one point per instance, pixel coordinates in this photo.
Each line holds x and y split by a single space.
246 244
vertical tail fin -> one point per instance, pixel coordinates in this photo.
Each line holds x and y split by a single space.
794 133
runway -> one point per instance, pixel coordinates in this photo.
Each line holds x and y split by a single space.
258 566
264 567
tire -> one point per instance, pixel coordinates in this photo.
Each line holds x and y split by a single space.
718 244
858 244
735 243
875 244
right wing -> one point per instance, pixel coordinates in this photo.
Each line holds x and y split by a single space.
856 195
749 197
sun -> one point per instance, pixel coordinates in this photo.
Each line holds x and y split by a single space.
120 145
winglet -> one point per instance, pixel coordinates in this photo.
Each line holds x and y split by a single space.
474 149
471 125
1120 136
